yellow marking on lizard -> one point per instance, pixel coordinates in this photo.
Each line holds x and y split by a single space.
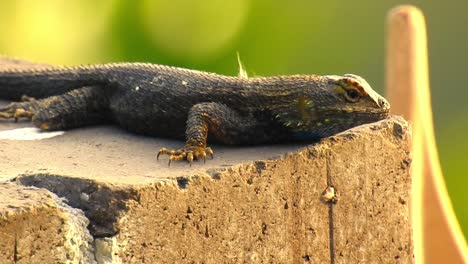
304 108
44 126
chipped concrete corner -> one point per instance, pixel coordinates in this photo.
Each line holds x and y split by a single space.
263 210
38 227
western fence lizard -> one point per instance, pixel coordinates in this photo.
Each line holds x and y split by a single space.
173 102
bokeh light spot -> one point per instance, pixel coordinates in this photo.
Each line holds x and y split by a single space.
193 29
53 31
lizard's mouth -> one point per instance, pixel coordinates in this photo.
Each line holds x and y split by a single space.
354 114
370 115
340 120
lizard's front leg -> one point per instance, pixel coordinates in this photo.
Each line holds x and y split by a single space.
217 120
79 107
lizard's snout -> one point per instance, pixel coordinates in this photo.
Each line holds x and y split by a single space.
383 104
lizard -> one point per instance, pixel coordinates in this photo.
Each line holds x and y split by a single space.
173 102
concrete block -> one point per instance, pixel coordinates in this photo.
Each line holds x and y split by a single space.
38 227
249 204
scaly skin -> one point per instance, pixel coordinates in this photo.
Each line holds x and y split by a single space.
173 102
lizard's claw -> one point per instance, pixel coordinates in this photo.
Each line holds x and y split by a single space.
16 111
188 153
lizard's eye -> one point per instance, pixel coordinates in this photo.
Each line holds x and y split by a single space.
352 95
350 89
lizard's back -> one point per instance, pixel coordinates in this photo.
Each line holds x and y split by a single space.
149 98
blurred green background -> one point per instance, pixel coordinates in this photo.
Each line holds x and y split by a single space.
272 37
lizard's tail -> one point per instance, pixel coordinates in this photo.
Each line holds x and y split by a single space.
18 78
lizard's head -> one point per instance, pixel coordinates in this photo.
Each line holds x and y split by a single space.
340 103
355 96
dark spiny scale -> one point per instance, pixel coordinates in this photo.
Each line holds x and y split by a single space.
173 102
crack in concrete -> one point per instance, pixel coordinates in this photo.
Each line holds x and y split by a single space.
15 251
330 214
331 231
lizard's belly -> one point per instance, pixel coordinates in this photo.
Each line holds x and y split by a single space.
148 118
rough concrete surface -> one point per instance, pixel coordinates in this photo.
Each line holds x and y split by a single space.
243 206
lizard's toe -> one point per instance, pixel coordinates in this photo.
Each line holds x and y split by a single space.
189 153
16 111
26 98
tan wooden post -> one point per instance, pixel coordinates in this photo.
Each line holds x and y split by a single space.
437 234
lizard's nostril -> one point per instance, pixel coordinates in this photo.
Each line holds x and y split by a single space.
383 103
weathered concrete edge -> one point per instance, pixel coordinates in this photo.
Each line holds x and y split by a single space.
38 215
89 190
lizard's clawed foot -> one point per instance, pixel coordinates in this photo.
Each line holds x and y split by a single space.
16 111
188 153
